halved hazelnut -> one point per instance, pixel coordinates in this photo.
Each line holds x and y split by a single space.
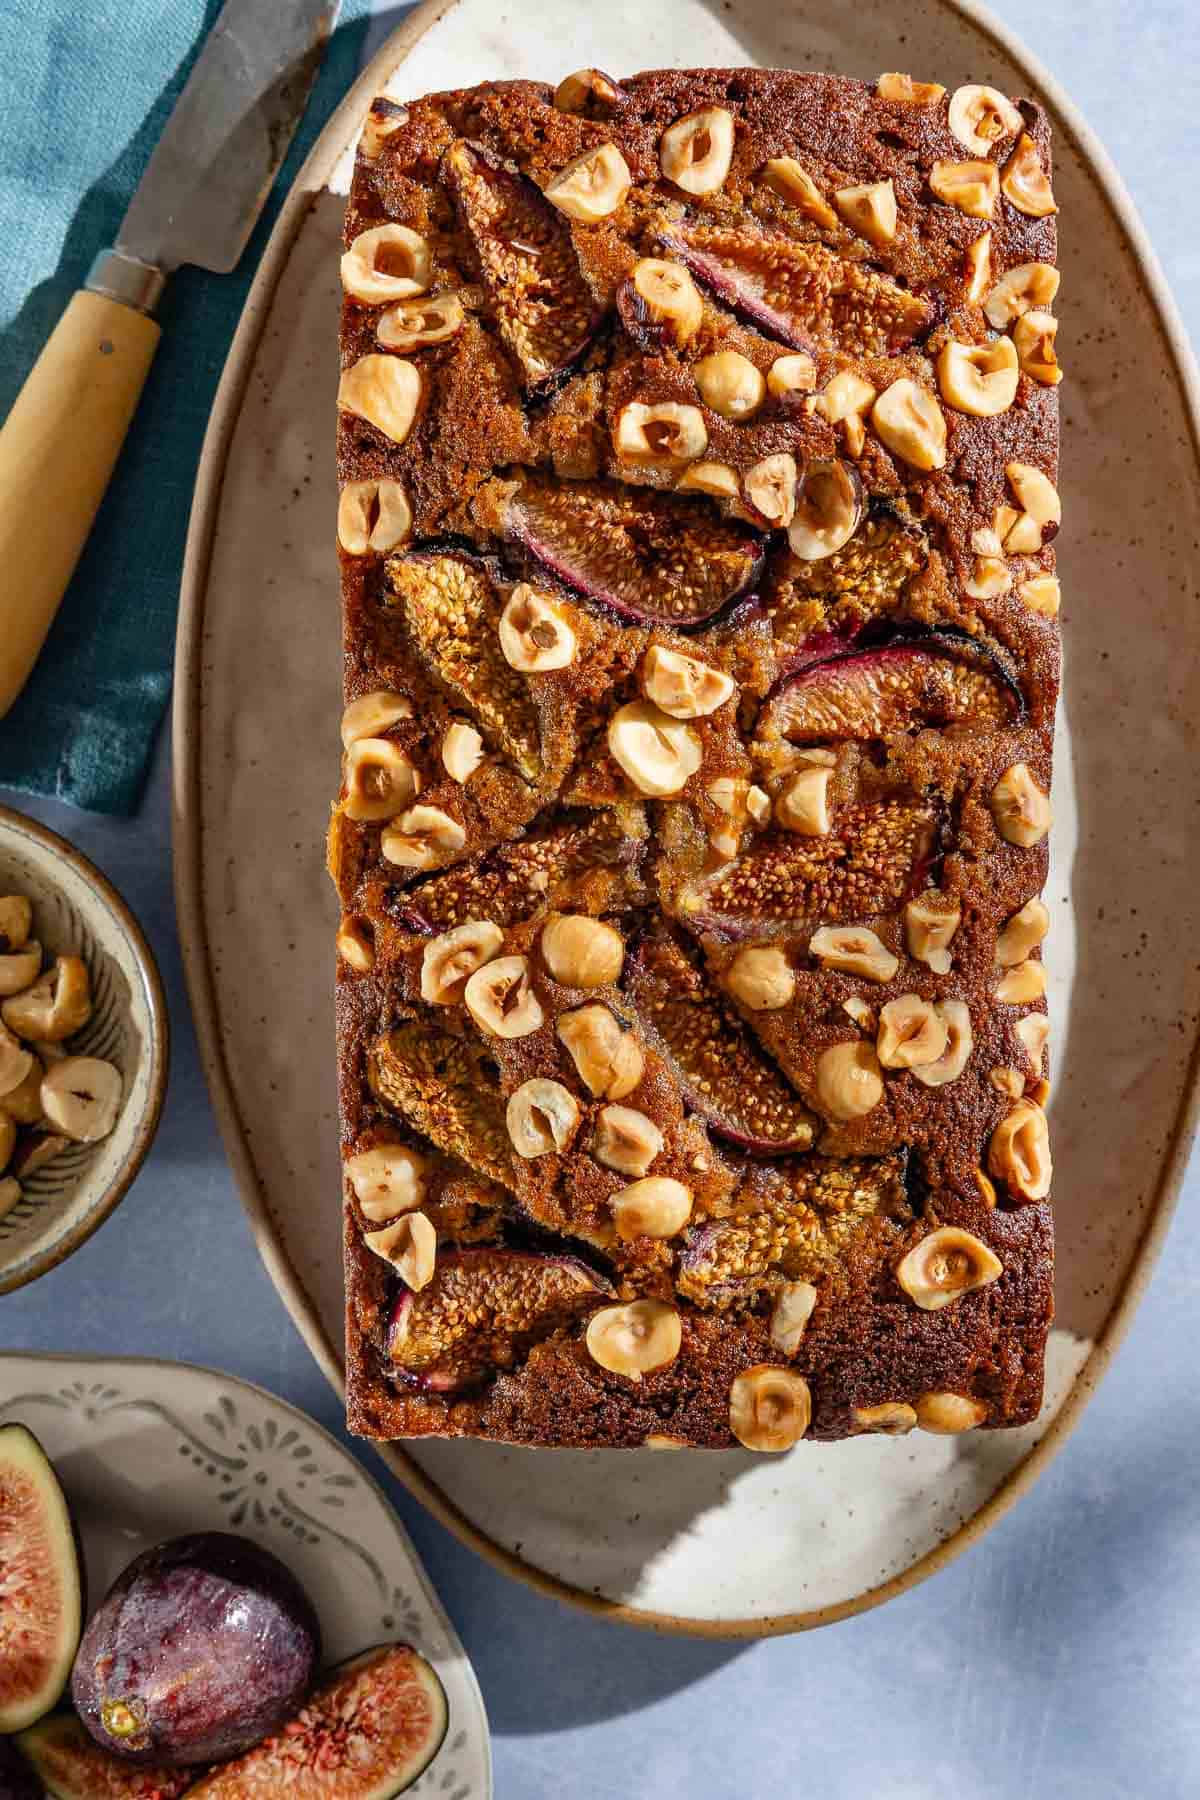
8 1138
683 686
56 1007
761 977
606 1054
462 751
769 1409
1033 1031
410 1245
790 1315
979 378
855 950
535 635
955 1016
902 90
947 1414
758 804
575 93
970 186
1040 505
389 262
372 515
16 921
668 297
1022 933
662 1440
499 998
10 1193
869 209
803 804
860 1011
695 152
987 1191
829 510
420 836
978 268
793 374
846 395
664 433
979 116
582 952
81 1097
1022 984
1007 1081
656 1207
1033 338
36 1152
592 185
355 943
385 118
372 714
380 780
770 487
419 324
849 1084
16 1063
448 961
383 390
1019 1151
633 1340
1025 182
541 1116
1042 594
388 1180
990 577
22 1105
20 968
626 1140
909 421
730 384
1019 807
946 1264
659 754
1030 287
910 1033
785 177
715 478
892 1418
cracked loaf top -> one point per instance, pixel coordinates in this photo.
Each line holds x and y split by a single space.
697 444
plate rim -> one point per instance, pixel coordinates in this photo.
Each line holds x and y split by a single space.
188 866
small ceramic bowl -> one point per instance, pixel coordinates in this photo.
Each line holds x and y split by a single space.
77 912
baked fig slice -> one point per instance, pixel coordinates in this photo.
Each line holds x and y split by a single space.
483 1309
445 1087
71 1767
542 305
366 1733
861 583
657 559
41 1593
722 1073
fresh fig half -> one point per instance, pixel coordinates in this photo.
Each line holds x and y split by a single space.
368 1732
71 1767
40 1583
443 1086
800 294
541 303
657 559
482 1311
722 1073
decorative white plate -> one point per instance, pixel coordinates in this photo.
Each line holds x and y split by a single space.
712 1543
149 1450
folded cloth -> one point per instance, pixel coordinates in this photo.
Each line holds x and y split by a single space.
84 94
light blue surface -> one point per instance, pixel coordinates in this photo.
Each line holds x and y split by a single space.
1058 1658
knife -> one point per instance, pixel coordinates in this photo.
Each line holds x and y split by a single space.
197 202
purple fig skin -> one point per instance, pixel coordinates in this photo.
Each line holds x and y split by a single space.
739 295
17 1779
204 1646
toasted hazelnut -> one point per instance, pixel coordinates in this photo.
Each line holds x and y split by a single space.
668 296
419 324
576 93
383 390
946 1264
1020 808
770 488
849 1084
388 1180
1007 1081
1030 287
462 751
385 118
947 1414
633 1340
56 1007
695 152
664 433
869 209
535 635
1040 505
16 1063
769 1408
860 1011
541 1116
1022 934
970 186
626 1140
902 90
10 1194
979 378
607 1055
1032 1032
8 1138
955 1017
828 510
389 262
758 804
978 260
1025 182
715 478
683 686
355 943
22 1105
420 836
657 1207
785 177
1019 1151
790 1315
16 921
1022 984
730 384
592 185
761 977
987 1192
803 805
372 515
846 395
793 374
659 754
499 998
20 968
979 116
81 1097
990 577
448 961
891 1418
410 1245
909 421
662 1440
372 714
911 1033
380 780
582 952
1033 339
1041 594
855 950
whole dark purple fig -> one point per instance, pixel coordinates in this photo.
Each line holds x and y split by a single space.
201 1648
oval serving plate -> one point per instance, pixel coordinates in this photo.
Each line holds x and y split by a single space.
722 1544
148 1450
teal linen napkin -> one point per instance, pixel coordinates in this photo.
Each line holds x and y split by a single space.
84 93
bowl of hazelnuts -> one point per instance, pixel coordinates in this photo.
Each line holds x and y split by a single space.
83 1049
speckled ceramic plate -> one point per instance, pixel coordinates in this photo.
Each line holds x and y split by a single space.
148 1450
713 1543
76 911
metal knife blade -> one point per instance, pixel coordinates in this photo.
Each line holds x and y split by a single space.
213 167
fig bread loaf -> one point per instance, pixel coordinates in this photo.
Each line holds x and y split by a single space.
697 451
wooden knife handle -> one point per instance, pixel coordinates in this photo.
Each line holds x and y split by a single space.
58 448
